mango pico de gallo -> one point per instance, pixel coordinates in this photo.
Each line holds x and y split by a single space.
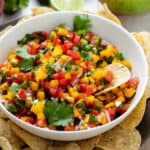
51 79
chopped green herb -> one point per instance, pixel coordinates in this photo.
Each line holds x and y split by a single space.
58 114
92 118
109 60
85 55
82 24
26 64
11 107
50 68
23 52
14 88
20 103
2 76
119 56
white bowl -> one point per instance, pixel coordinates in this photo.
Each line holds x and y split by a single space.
104 28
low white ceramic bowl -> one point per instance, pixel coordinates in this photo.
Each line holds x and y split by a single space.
105 29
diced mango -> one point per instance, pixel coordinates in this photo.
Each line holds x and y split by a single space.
73 92
99 74
37 108
62 31
54 83
40 94
111 104
84 80
76 113
34 86
95 58
129 92
57 51
40 115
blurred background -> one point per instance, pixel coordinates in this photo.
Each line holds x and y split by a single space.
134 14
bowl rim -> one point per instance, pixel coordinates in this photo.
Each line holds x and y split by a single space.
120 118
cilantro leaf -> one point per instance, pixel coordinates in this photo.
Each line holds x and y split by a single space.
11 107
82 24
50 68
26 64
23 52
92 118
58 114
2 76
14 88
119 56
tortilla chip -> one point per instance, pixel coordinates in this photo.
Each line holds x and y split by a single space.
2 115
5 30
33 141
4 144
88 144
24 19
7 133
120 139
105 12
134 119
144 40
64 146
41 10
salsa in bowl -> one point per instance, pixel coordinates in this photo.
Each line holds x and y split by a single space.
55 77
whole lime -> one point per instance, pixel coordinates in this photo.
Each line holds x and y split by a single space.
128 6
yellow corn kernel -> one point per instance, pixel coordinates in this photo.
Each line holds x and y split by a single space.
95 58
90 99
8 96
37 108
104 64
121 99
70 99
63 59
127 63
11 56
52 35
129 92
15 70
109 105
57 51
124 85
116 61
120 93
99 74
3 87
67 75
103 119
40 74
24 118
48 44
116 90
101 98
73 92
84 80
54 83
40 115
91 80
76 112
34 86
28 102
51 59
40 94
62 31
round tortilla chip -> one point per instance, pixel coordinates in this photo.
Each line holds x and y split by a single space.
105 12
88 144
120 139
41 10
33 141
4 144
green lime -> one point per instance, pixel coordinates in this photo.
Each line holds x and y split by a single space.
67 4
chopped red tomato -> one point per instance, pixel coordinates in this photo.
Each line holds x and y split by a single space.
74 54
91 124
30 120
133 82
58 76
109 76
22 94
44 35
48 53
89 90
18 78
94 112
63 82
76 39
57 41
68 128
83 87
112 112
55 91
29 75
41 123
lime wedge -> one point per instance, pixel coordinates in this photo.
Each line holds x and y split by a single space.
67 4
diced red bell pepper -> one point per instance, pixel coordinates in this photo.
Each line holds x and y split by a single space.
29 75
112 112
63 82
55 91
133 82
76 39
94 112
89 90
72 34
44 35
67 45
33 50
58 76
91 124
83 87
41 123
74 54
30 120
57 41
22 94
68 128
19 78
